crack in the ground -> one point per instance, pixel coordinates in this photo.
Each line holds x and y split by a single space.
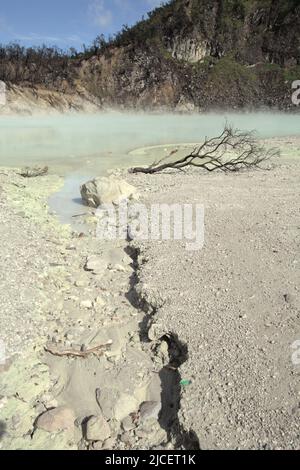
169 373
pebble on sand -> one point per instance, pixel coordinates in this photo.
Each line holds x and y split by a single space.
97 429
56 420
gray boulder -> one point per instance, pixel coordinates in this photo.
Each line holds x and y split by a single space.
106 190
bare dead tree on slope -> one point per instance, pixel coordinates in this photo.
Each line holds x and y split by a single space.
232 150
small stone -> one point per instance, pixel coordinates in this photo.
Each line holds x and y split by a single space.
125 405
49 401
289 298
82 445
39 408
163 352
120 268
127 424
149 410
86 304
79 421
98 445
95 264
152 432
97 429
56 420
128 439
99 302
135 339
159 436
155 332
81 283
109 444
142 433
164 348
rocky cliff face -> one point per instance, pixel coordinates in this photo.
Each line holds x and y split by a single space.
202 54
27 100
188 55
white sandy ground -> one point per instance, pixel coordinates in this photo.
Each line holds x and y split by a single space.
234 304
48 298
230 309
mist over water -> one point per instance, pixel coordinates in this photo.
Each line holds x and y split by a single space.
83 146
93 143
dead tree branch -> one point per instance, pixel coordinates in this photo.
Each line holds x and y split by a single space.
232 150
33 172
98 350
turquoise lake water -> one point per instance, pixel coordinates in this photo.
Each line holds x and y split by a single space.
82 146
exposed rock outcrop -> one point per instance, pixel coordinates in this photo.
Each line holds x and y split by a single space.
29 100
106 190
206 54
202 54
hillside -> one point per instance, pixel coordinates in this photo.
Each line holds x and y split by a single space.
202 53
188 54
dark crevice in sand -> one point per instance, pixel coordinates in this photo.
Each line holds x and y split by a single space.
169 374
171 395
135 298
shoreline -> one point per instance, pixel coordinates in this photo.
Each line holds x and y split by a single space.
86 301
122 303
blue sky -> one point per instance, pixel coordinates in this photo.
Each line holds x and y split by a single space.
67 23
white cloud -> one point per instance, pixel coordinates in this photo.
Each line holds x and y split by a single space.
99 14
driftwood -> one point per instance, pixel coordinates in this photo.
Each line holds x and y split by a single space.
231 151
28 172
83 214
18 185
79 215
98 350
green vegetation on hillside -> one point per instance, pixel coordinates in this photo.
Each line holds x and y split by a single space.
241 45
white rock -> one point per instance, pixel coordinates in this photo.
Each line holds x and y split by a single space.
81 283
149 410
96 264
109 444
127 424
155 332
106 190
97 429
100 302
125 405
86 304
56 420
119 267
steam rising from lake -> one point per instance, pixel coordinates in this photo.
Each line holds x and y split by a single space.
93 143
